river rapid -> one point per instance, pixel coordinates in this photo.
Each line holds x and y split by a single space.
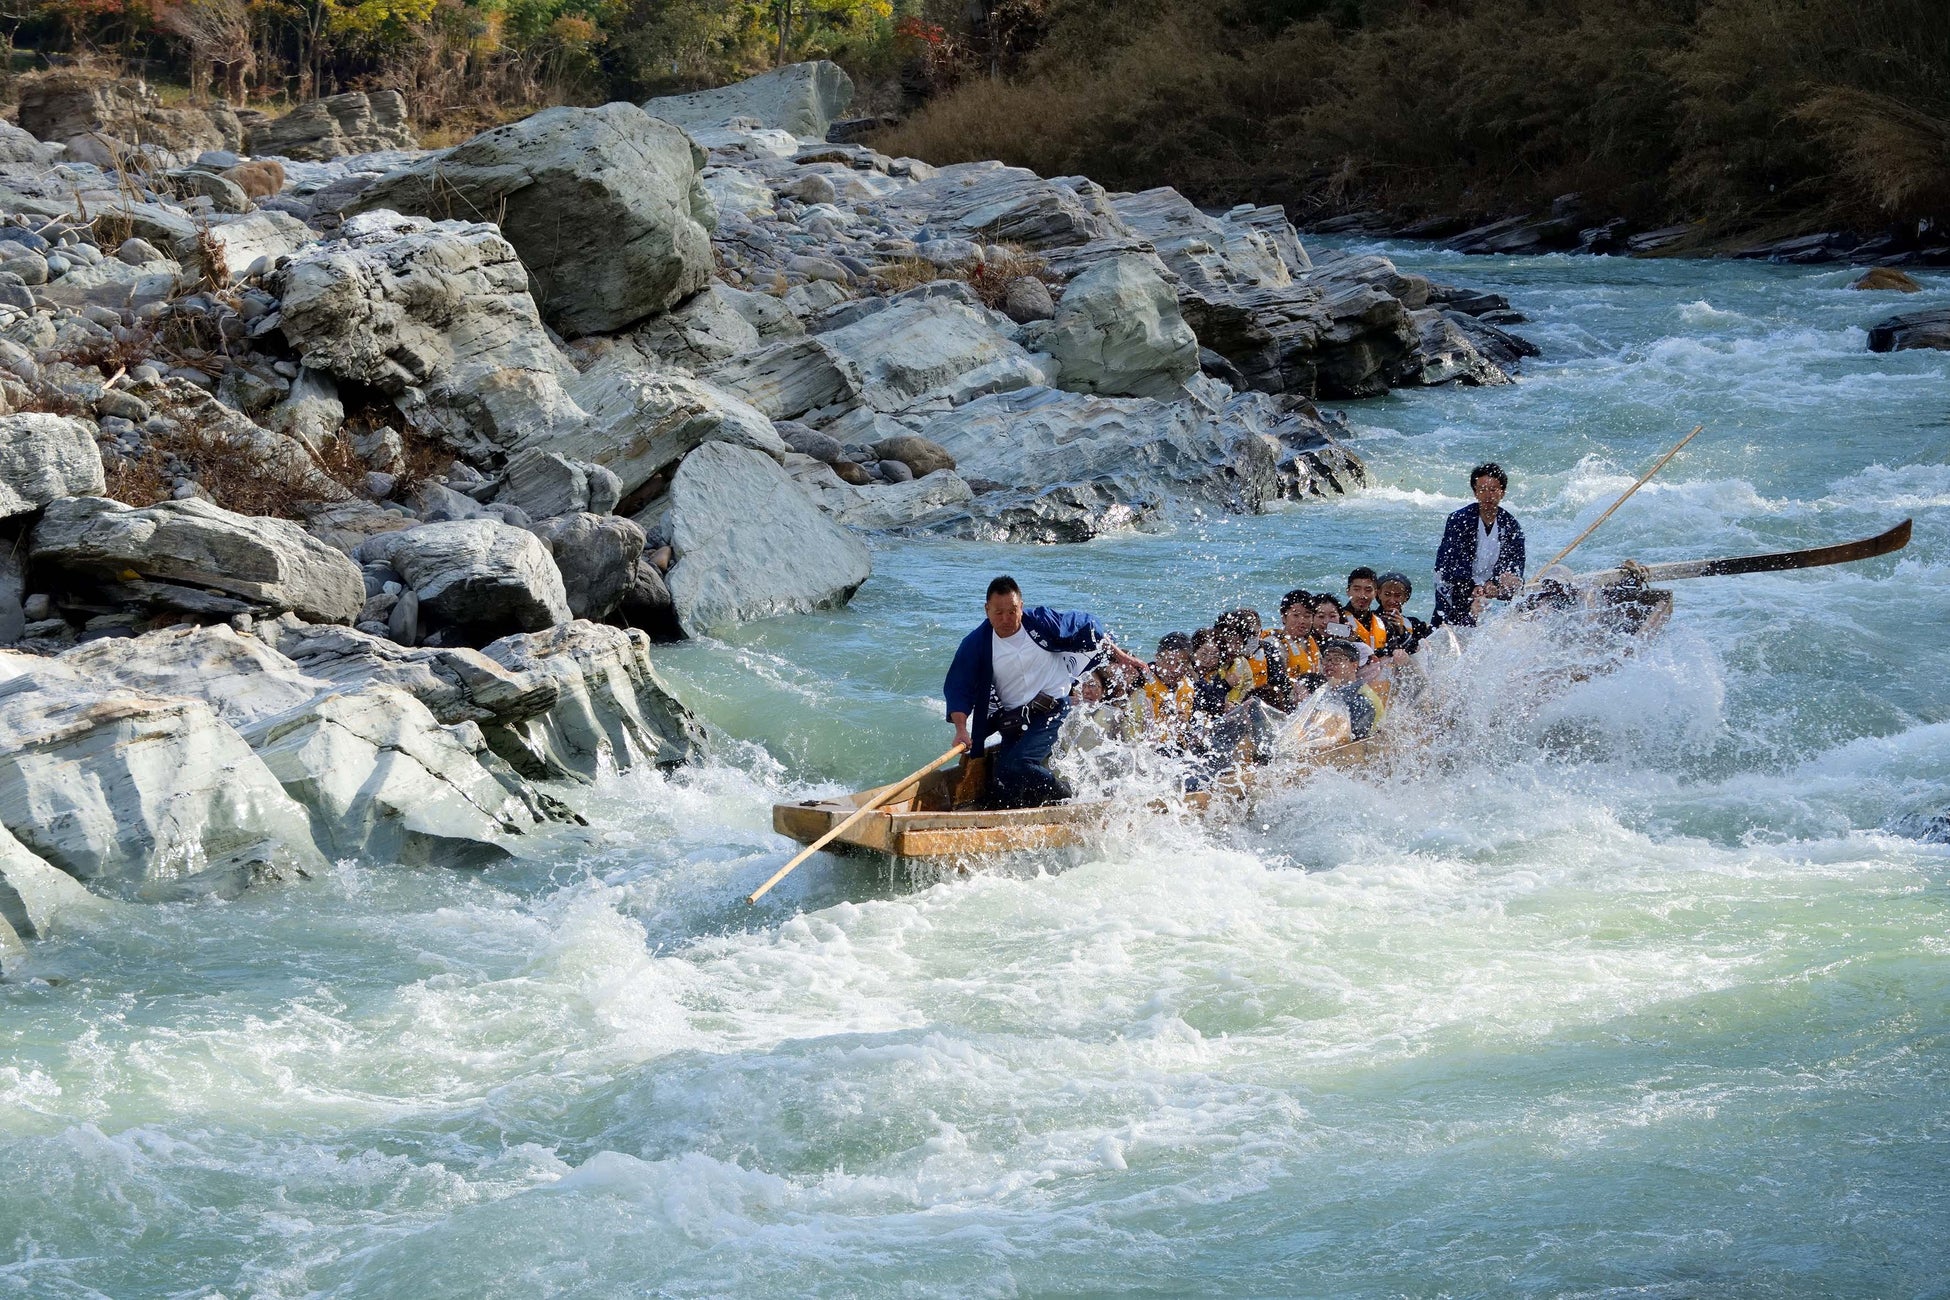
1644 990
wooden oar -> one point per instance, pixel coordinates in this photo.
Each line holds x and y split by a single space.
1627 496
1774 562
883 795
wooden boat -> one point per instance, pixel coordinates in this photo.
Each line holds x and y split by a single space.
937 815
940 816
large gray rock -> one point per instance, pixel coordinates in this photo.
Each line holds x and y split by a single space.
338 125
544 484
1445 352
1077 465
116 284
992 203
639 423
384 781
193 556
35 900
1118 331
565 704
102 118
597 556
252 243
18 146
611 712
240 677
311 411
479 577
883 507
139 795
708 328
44 457
435 314
887 361
604 205
749 545
803 98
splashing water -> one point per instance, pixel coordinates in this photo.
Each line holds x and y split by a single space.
1625 984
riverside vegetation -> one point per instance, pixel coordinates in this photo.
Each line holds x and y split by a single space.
345 485
1712 123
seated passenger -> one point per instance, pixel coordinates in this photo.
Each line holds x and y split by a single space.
1405 631
1093 722
1263 658
1209 686
1295 642
1166 703
1361 613
1340 661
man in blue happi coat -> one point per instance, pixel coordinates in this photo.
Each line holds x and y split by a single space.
1012 675
1481 554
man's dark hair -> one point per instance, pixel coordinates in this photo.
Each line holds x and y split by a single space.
1234 620
1345 649
1489 469
1175 641
1203 635
1298 596
1363 572
1002 586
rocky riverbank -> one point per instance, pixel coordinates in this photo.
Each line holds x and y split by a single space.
343 485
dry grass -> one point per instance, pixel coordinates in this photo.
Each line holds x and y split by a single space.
990 280
909 273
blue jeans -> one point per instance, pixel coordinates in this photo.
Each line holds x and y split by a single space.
1019 776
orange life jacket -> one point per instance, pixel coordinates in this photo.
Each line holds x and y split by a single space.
1166 708
1369 628
1302 653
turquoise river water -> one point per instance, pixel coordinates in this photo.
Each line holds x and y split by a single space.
1643 991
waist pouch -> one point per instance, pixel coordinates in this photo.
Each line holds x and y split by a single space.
1013 724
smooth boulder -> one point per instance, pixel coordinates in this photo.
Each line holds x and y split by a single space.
382 780
140 795
191 556
479 577
1118 332
604 205
803 98
45 457
749 544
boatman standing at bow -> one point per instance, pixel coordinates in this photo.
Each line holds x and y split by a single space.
1481 555
1013 675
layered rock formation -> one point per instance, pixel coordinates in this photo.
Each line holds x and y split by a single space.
321 463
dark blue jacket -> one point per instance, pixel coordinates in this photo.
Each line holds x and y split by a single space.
1455 560
970 686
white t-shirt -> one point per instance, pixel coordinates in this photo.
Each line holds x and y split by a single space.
1488 542
1024 670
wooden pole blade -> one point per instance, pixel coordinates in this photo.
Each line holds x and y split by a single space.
1814 557
1626 496
883 795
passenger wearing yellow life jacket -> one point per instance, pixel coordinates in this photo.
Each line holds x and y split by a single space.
1294 640
1255 669
1361 613
1167 706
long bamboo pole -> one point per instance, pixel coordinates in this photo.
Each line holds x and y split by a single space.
1643 479
881 796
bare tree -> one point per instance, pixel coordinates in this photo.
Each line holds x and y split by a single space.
218 33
